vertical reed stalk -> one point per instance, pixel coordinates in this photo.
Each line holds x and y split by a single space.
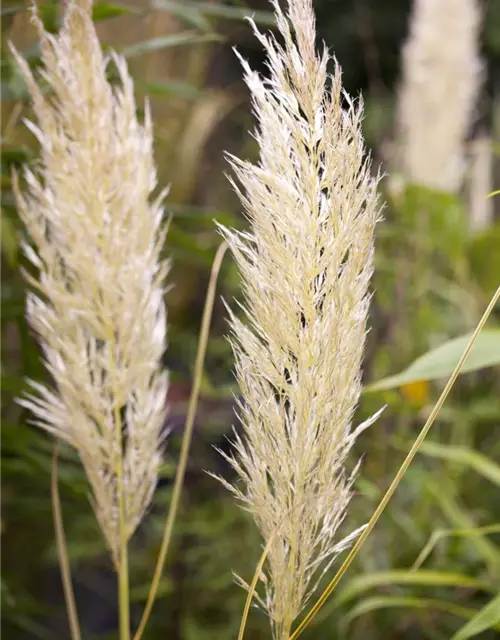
62 549
186 439
123 572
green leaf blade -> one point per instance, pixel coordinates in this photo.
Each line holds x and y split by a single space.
440 362
487 618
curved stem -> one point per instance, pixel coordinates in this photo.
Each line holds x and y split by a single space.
255 579
186 440
62 549
401 472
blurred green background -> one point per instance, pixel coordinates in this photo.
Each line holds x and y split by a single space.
434 275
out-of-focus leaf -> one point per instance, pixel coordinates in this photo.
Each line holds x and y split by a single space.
463 455
357 586
105 10
13 87
405 602
13 155
184 246
186 12
12 309
166 42
50 14
13 385
440 362
439 534
10 244
13 9
487 618
159 89
484 258
4 589
35 630
218 10
139 594
462 519
205 216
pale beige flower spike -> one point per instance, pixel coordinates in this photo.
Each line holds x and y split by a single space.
98 310
442 73
306 263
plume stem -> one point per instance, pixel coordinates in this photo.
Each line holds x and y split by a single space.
186 440
62 548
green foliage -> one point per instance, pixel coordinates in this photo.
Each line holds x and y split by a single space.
487 618
198 12
440 362
463 455
484 258
166 42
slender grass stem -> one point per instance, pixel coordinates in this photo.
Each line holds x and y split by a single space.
186 440
401 472
123 577
62 548
255 579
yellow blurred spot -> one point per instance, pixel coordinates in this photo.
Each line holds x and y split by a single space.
416 392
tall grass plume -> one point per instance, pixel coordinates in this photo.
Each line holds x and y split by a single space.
97 301
441 77
306 262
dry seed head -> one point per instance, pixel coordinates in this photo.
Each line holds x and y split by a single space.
97 305
305 262
440 84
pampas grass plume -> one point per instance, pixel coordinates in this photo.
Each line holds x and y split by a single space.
306 263
97 305
441 79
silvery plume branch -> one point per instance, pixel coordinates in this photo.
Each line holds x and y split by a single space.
97 305
306 263
439 90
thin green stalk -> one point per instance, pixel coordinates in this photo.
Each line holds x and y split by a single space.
62 549
122 561
401 472
252 588
255 579
123 578
186 440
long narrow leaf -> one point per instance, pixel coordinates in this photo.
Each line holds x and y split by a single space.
361 584
440 362
403 602
439 534
461 518
465 456
166 42
217 10
487 618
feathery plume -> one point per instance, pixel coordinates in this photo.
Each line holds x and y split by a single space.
305 263
480 183
440 83
99 311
